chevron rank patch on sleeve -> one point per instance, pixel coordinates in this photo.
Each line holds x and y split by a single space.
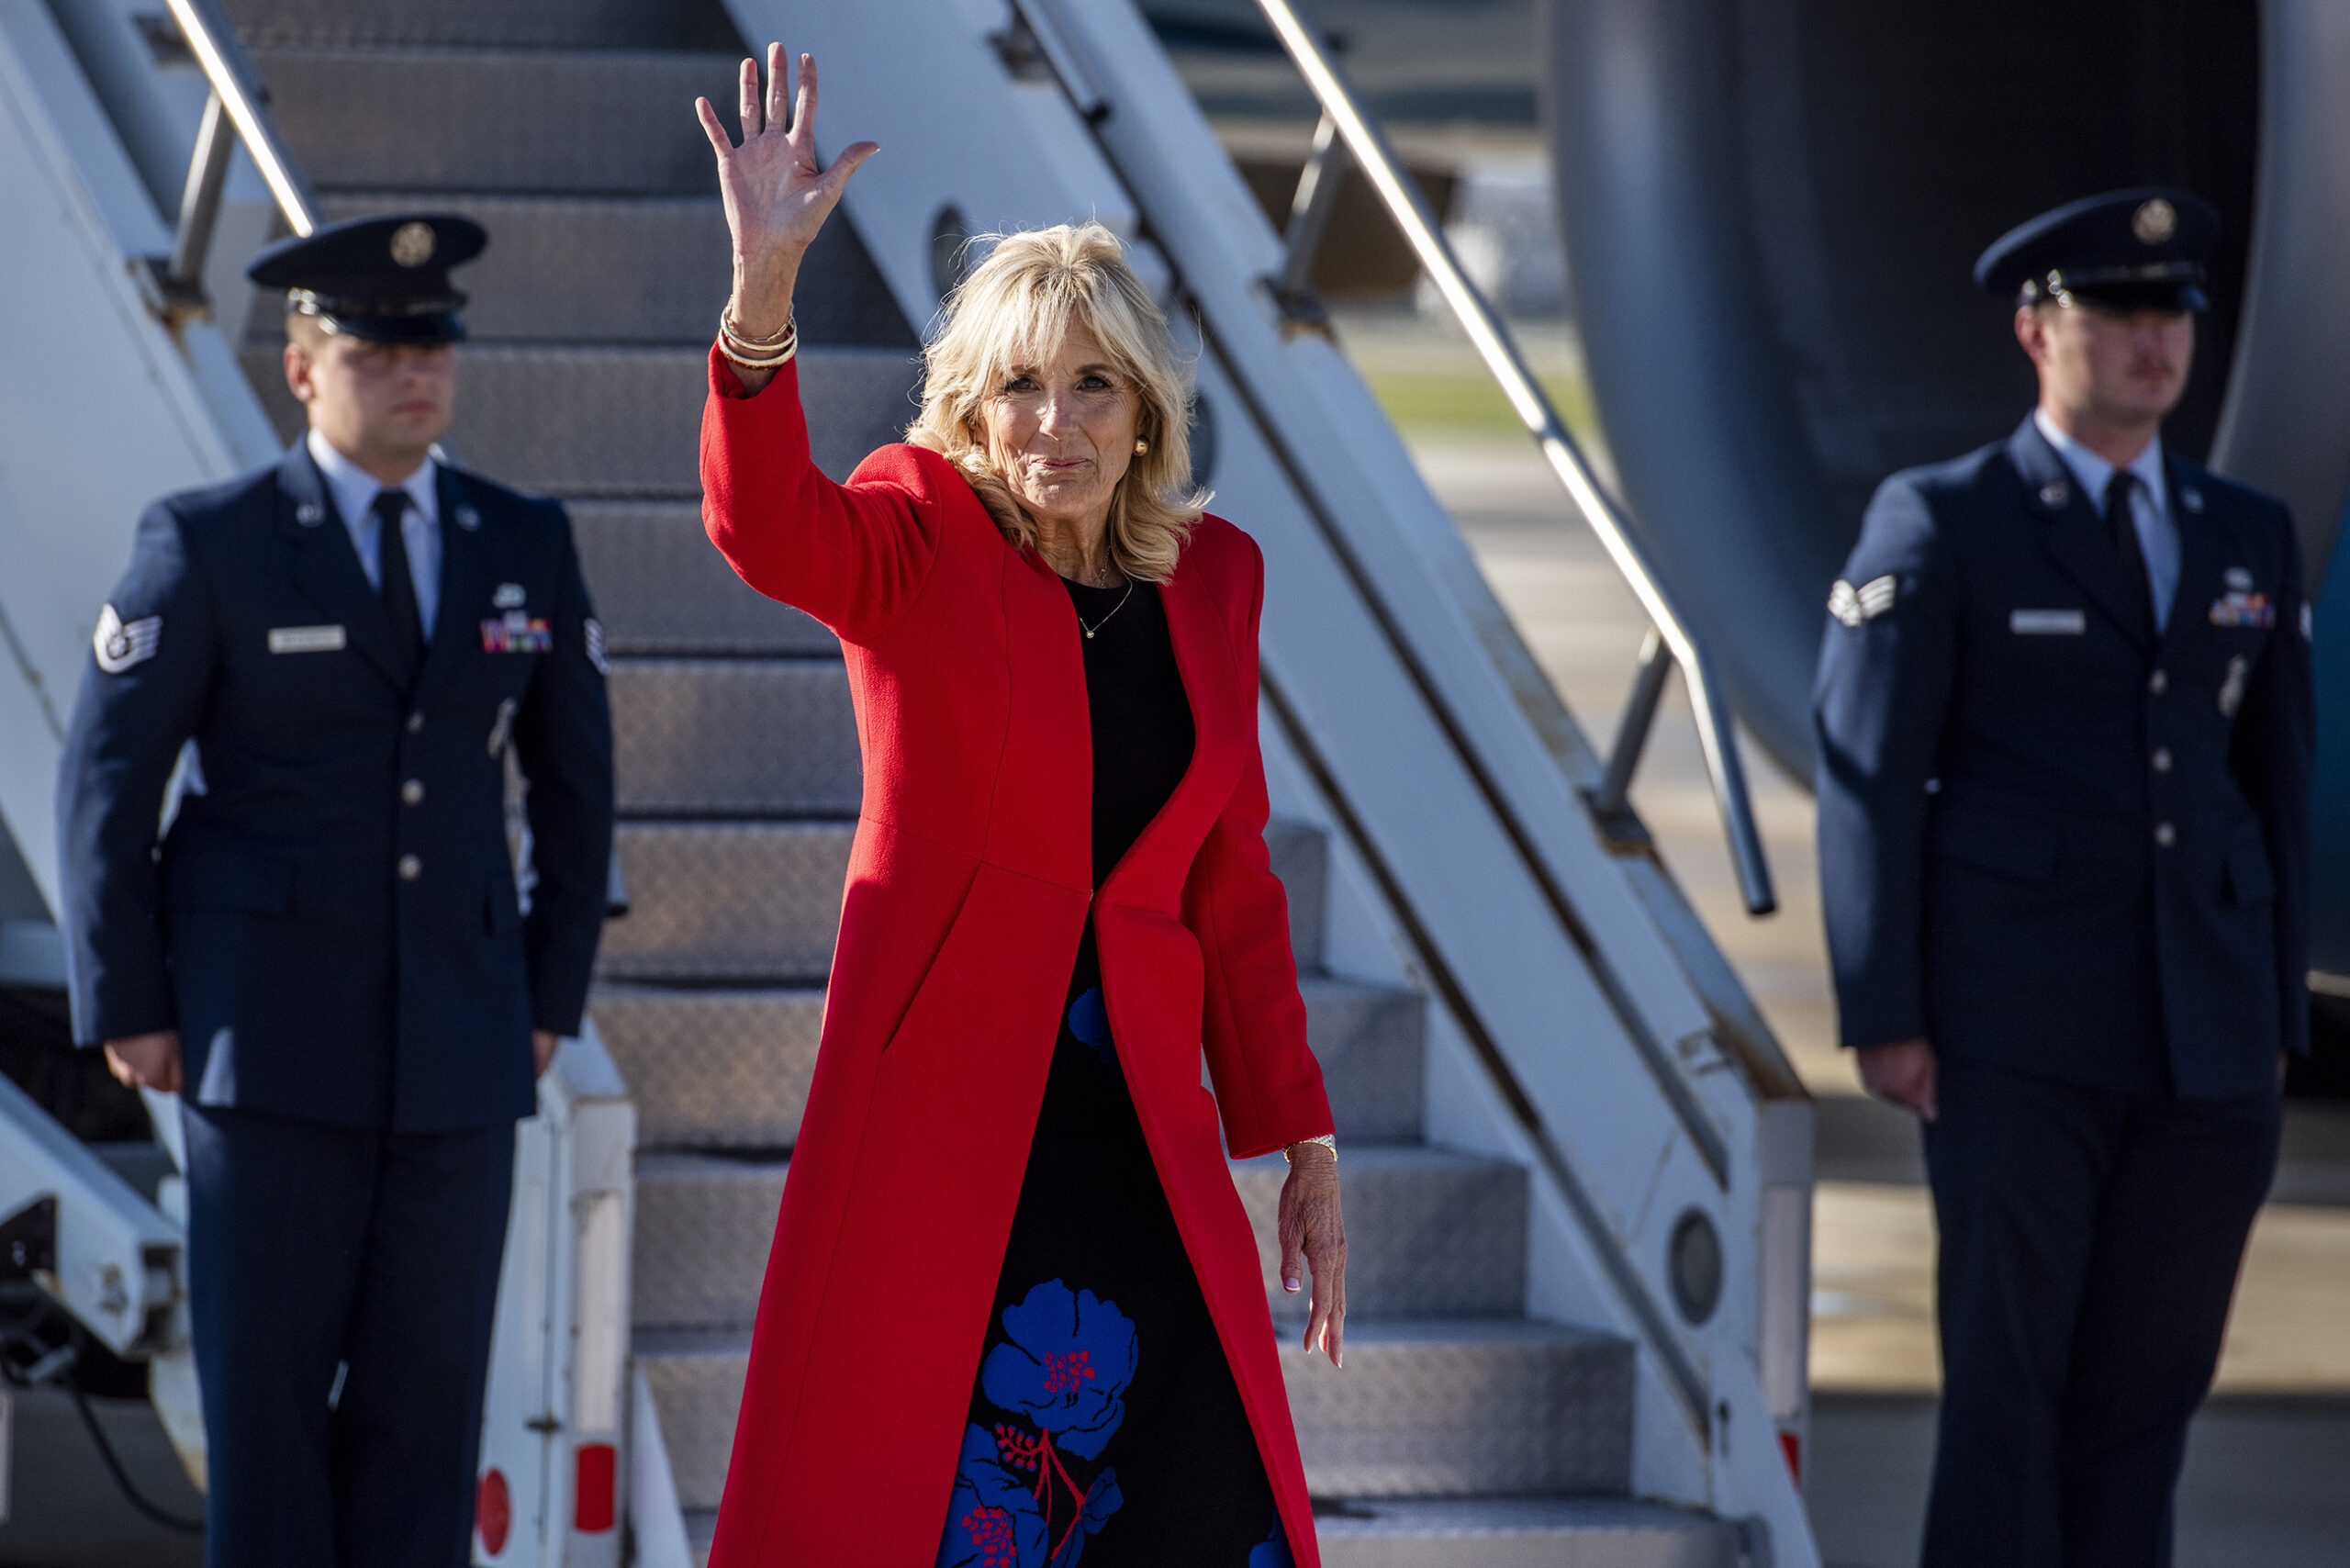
1853 606
120 645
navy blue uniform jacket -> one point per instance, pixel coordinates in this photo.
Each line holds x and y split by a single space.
2050 839
275 928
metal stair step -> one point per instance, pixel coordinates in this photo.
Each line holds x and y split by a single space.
1371 1041
713 1068
1301 860
729 1067
604 121
1463 1408
1430 1232
1520 1532
1433 1408
616 269
760 902
578 24
662 587
741 902
696 1376
622 420
704 1225
734 737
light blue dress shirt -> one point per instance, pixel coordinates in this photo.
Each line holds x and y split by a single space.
354 491
2149 505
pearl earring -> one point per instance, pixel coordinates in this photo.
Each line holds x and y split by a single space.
1141 447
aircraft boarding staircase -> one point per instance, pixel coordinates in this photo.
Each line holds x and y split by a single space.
1501 1404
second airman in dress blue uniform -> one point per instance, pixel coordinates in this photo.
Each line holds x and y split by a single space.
2065 728
328 953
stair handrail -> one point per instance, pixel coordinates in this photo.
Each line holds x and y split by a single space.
1347 127
239 103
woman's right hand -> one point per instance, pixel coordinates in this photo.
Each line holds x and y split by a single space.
776 194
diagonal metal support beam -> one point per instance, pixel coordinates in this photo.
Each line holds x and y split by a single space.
1318 185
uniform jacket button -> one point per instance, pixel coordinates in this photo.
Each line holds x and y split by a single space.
413 790
2166 835
411 868
2161 759
2158 682
415 723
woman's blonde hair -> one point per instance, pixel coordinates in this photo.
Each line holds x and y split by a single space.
1014 309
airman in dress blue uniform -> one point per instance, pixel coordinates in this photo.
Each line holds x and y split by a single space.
328 952
2064 724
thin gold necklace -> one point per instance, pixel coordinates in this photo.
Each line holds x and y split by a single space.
1089 631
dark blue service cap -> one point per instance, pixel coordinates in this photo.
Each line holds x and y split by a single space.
2136 250
382 279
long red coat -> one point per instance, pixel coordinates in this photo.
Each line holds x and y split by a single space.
967 891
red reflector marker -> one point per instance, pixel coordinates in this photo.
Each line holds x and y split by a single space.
1791 1445
493 1511
592 1507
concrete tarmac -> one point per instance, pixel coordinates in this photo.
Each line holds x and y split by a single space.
64 1511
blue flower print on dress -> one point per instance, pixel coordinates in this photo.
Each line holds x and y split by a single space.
1101 1500
1069 1358
1272 1552
994 1519
1089 1020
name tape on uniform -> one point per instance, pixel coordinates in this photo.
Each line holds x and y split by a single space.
307 639
120 644
1853 606
2048 622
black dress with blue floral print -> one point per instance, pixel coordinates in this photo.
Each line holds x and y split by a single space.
1104 1423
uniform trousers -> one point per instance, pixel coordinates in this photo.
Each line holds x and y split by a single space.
2089 1243
314 1248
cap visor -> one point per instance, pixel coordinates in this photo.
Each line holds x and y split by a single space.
2146 296
438 327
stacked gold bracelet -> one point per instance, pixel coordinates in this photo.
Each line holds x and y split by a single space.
757 354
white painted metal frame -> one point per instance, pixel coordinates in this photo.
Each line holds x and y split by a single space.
1376 635
560 1374
118 1261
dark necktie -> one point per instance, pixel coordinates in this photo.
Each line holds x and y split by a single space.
2122 520
400 583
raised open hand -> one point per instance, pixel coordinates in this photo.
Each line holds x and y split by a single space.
776 194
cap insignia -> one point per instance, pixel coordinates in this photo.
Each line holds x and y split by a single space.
2154 221
413 243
